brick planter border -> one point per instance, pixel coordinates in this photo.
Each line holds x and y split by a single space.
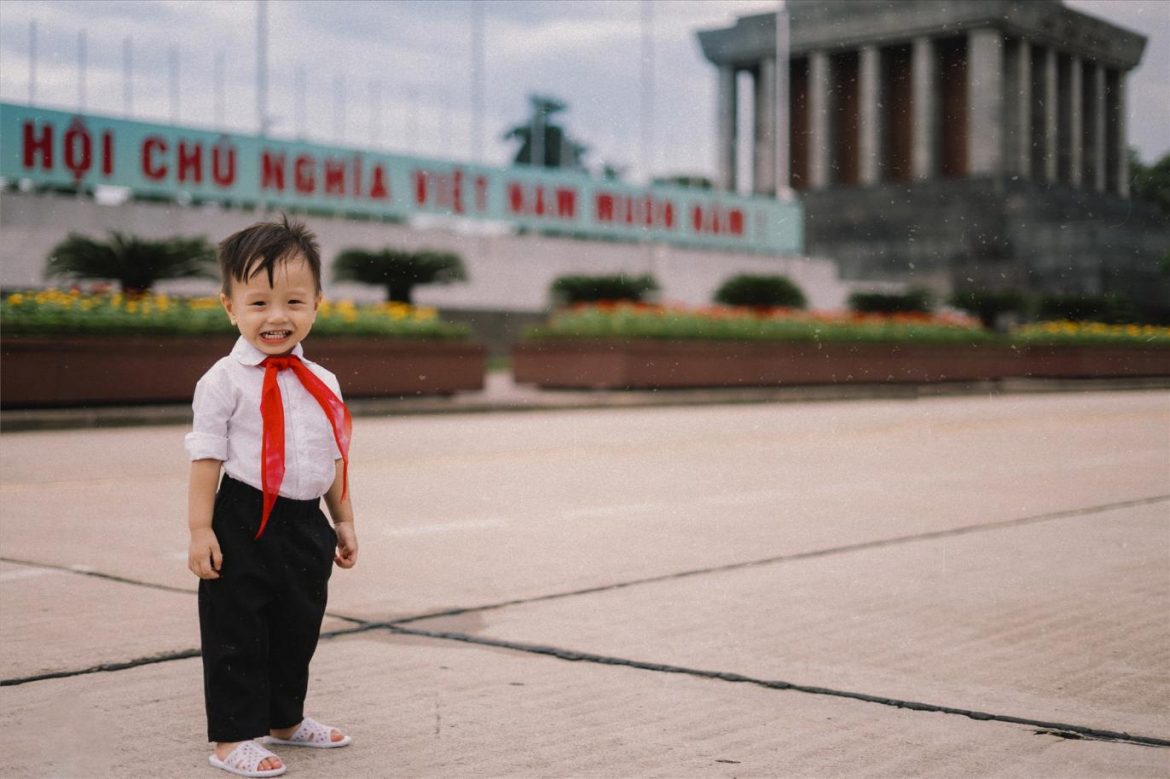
663 364
40 372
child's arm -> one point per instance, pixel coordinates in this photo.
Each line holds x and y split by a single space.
341 512
203 555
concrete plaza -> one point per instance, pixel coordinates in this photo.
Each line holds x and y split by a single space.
948 586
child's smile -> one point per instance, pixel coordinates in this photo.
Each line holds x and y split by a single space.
275 318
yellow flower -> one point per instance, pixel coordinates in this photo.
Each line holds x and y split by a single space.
16 299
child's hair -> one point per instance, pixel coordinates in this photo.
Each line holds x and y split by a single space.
258 248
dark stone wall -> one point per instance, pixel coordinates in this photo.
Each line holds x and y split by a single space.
993 233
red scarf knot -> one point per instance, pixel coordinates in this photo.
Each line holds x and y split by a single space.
272 413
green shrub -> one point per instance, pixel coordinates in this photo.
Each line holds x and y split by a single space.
988 305
398 271
135 263
568 290
760 292
912 301
1087 308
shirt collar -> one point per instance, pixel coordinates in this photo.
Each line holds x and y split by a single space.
244 352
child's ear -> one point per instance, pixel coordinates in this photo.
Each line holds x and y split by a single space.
317 300
226 302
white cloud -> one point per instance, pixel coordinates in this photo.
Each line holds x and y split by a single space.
587 52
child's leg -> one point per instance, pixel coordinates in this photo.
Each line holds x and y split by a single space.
232 622
294 616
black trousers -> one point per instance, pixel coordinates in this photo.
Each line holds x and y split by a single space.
260 620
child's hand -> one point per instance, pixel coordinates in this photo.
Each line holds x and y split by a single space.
203 556
347 545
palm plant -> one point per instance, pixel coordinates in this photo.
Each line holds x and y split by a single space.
135 263
397 270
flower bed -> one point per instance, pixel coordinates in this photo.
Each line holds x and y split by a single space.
68 348
648 347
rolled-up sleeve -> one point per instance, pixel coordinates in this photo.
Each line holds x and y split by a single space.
212 407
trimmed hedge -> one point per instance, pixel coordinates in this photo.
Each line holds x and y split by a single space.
761 292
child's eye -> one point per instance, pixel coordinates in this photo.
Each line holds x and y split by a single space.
258 304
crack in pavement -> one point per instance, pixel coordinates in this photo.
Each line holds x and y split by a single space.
1058 729
1062 729
827 552
363 625
84 571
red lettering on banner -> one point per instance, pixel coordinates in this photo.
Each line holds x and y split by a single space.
78 149
190 162
33 145
303 178
515 198
223 163
335 177
481 193
457 191
566 203
379 188
420 188
735 222
604 207
152 169
541 201
714 219
635 211
107 153
272 171
440 191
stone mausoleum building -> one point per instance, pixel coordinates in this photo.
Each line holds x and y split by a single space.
951 143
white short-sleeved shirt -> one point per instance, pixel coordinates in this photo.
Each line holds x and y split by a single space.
228 426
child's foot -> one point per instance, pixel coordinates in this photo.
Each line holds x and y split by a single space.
246 758
308 733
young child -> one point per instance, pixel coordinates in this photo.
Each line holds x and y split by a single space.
260 545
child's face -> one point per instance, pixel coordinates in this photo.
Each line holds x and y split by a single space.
277 318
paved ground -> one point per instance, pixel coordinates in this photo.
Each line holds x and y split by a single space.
949 586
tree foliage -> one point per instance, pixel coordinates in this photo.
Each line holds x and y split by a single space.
1151 184
135 263
989 305
912 301
568 290
556 149
760 292
399 271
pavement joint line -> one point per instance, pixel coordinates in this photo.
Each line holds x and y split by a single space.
84 570
165 657
1060 729
815 553
362 626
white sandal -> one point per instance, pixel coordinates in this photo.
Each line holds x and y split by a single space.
245 760
310 733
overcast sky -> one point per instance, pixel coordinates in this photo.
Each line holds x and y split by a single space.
415 55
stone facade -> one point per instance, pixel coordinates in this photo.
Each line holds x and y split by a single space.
954 143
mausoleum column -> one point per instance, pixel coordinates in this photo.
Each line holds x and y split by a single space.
870 117
985 112
924 108
1122 148
818 119
1051 116
728 128
764 136
1076 123
1098 138
1021 150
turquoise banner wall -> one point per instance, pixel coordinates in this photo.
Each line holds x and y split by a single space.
62 149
